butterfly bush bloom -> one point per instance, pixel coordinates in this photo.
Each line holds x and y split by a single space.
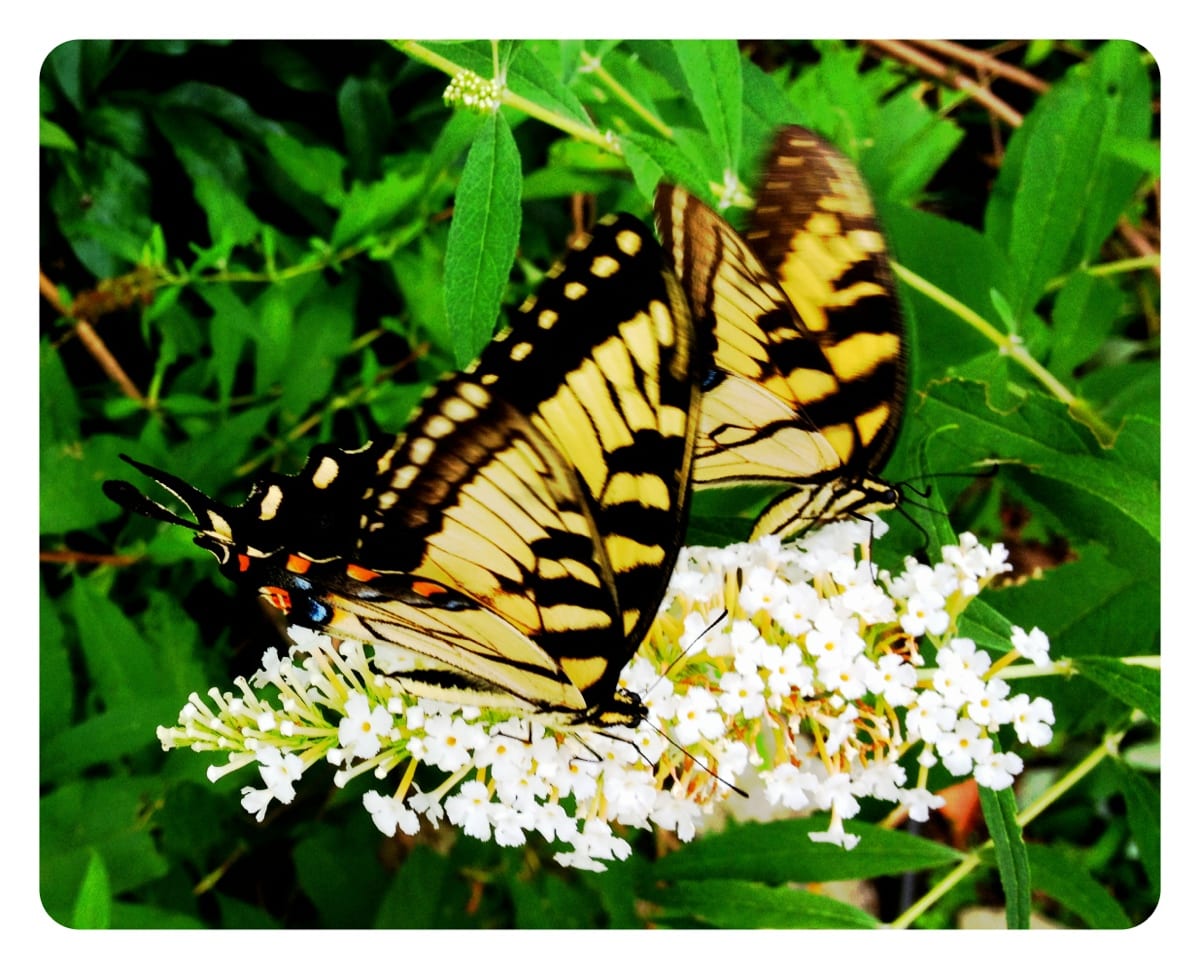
793 671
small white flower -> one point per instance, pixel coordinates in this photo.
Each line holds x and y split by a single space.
256 802
997 770
279 772
696 717
1033 645
360 729
958 677
929 718
676 814
742 695
390 814
990 709
448 742
963 747
834 792
1032 719
919 801
789 786
894 680
925 613
787 671
836 834
470 809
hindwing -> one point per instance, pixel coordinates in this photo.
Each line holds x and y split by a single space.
808 352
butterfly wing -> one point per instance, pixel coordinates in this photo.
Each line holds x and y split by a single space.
808 348
543 491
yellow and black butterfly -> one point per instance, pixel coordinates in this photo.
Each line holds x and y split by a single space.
808 351
520 534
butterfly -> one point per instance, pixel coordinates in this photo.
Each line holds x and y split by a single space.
808 350
519 535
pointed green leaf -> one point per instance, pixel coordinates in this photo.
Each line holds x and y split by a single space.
1138 686
483 237
93 903
713 69
783 851
1000 814
1143 807
730 904
1060 874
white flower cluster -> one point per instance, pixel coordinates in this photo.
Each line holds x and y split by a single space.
475 93
796 661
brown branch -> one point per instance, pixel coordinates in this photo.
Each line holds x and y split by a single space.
91 340
1138 242
985 63
905 52
93 558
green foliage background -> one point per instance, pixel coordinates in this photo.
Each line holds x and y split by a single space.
284 243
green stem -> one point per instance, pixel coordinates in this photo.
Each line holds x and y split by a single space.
570 126
592 64
1010 346
1115 268
1109 746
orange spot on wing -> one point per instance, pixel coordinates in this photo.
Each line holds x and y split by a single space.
298 564
279 598
243 561
423 588
358 572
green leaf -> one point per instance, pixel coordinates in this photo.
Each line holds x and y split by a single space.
366 119
56 683
218 104
230 222
414 895
652 159
53 137
1095 492
1117 74
1062 186
1084 315
121 664
127 727
549 903
765 107
127 916
103 210
713 69
99 815
93 904
316 169
72 475
1060 875
58 407
231 328
910 144
1143 807
274 337
919 241
371 209
1000 814
783 852
339 870
483 237
1139 687
732 904
321 336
